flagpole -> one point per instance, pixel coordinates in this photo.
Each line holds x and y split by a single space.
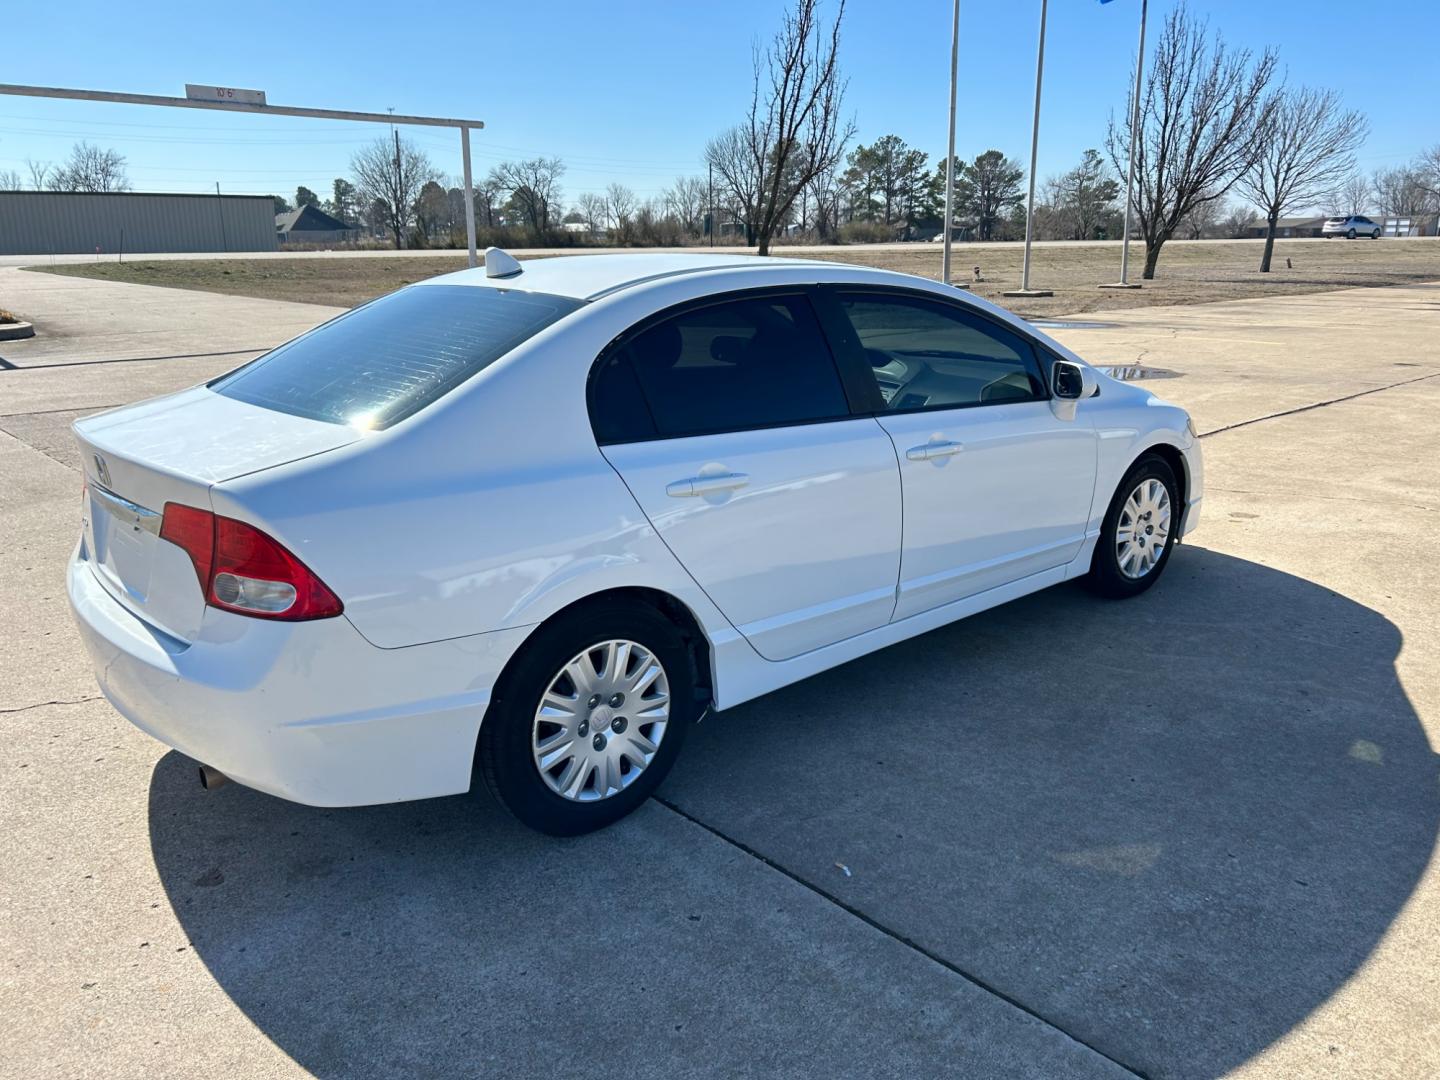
1025 289
950 154
1124 282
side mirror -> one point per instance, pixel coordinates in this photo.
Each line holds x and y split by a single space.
1070 384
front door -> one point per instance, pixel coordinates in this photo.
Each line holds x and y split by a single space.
730 426
995 487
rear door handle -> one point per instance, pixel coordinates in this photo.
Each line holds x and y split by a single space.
706 485
932 450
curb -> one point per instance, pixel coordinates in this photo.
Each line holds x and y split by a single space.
16 331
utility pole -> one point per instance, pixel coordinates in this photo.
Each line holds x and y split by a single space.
710 172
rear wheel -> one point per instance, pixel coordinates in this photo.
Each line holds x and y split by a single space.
1350 235
1375 235
1138 531
589 718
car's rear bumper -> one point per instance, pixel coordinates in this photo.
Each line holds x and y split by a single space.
308 711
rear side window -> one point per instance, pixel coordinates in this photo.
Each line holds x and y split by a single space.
929 355
751 362
388 359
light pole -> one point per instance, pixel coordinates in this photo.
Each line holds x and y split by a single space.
1124 282
949 223
1025 289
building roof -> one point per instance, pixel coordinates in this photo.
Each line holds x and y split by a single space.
586 277
307 219
134 194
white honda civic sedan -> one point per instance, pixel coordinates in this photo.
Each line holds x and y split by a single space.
532 521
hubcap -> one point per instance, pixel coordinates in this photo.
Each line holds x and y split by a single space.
601 720
1143 530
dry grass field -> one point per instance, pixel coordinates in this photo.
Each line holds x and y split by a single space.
1189 273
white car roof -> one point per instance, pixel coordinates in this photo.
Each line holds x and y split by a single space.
586 277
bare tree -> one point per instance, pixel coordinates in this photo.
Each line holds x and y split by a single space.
1427 167
824 189
592 208
10 181
729 155
620 207
39 172
1239 219
685 201
1402 193
534 188
794 130
1204 108
392 172
1306 153
1201 220
1356 193
89 168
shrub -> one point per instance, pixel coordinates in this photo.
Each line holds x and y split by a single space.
866 232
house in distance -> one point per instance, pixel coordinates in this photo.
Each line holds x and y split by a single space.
311 225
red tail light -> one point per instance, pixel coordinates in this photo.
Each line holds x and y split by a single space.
241 569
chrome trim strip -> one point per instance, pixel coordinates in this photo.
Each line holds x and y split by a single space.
133 514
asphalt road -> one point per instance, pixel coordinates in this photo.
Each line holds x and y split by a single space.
1185 835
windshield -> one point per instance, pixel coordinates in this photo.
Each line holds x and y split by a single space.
390 358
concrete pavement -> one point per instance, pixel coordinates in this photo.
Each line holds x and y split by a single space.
1186 835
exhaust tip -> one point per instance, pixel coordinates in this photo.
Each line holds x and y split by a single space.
212 778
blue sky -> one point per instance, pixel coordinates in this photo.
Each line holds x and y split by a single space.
630 90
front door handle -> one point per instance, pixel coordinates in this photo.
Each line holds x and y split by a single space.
932 450
706 485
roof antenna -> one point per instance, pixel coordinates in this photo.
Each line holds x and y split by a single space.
501 264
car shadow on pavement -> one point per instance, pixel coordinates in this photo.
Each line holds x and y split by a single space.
1172 826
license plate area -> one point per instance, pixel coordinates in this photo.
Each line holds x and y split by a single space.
123 536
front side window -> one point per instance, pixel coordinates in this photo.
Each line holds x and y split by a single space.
750 362
926 354
378 364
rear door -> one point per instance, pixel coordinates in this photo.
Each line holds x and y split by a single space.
995 486
730 425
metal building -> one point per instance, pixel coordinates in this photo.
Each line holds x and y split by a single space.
66 222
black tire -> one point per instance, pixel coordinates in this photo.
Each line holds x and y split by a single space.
1106 577
1375 235
1350 235
504 756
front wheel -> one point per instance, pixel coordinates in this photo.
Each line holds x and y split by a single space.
1138 531
589 718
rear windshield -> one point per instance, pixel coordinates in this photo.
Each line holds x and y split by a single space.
378 364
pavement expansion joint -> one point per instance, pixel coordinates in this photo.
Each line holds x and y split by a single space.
909 943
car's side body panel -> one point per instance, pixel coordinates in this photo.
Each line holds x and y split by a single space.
1013 501
474 542
806 552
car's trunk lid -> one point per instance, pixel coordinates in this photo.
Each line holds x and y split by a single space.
173 449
